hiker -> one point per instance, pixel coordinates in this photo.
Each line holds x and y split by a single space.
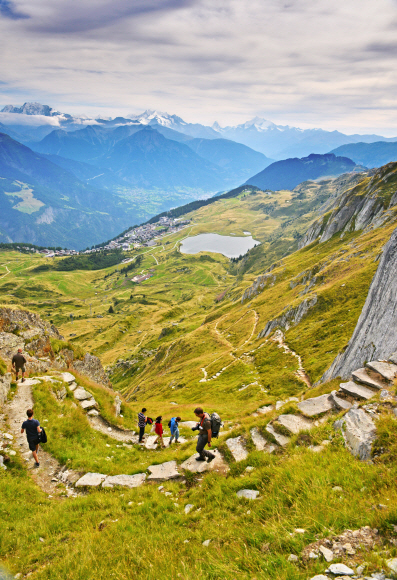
158 429
205 435
19 362
173 424
142 420
32 428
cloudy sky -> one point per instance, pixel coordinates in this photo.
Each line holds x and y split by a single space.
307 63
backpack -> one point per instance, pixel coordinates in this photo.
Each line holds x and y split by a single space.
216 424
42 436
169 423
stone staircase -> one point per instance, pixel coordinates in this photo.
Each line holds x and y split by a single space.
376 377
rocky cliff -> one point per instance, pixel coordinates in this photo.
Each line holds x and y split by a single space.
26 330
375 336
367 205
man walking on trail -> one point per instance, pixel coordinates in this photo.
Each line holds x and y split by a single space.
205 434
174 429
142 420
32 428
19 362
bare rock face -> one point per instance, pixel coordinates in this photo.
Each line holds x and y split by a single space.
26 330
358 431
291 317
92 367
5 384
375 336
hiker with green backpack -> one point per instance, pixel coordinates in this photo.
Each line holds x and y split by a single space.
208 427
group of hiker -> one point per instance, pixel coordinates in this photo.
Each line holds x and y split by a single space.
207 426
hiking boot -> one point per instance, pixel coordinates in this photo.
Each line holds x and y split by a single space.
22 380
200 458
37 464
211 458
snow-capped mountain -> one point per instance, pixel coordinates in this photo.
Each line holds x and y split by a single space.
34 121
33 109
151 117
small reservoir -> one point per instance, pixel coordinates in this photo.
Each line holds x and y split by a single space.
231 247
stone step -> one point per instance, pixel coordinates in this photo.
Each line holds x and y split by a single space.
218 464
386 370
295 423
164 471
261 444
316 406
237 448
362 376
357 391
81 394
129 481
280 439
340 403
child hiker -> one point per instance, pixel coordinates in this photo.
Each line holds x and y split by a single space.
158 429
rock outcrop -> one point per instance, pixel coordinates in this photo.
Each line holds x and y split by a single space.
291 317
92 367
358 431
367 205
26 330
5 384
375 336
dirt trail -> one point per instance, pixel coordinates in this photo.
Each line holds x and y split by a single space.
300 373
8 271
49 469
99 424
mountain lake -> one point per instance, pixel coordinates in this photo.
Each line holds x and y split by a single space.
231 247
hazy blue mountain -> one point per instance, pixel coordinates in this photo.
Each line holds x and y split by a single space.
44 204
147 159
282 141
288 173
83 145
369 154
87 173
218 163
236 159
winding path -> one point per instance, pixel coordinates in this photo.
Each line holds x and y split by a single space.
50 473
8 271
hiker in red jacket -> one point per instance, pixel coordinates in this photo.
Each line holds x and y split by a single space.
158 429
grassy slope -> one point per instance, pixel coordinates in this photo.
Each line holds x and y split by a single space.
296 486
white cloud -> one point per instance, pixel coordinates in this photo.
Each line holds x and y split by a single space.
299 62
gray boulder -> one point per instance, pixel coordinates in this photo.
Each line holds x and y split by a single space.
359 432
248 493
81 394
88 404
375 335
340 570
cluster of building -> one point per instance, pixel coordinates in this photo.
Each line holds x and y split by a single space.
138 237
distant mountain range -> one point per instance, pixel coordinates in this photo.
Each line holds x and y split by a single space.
289 173
369 154
34 121
149 156
44 204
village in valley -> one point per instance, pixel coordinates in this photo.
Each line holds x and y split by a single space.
145 235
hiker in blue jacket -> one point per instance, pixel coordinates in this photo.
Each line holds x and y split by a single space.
174 429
